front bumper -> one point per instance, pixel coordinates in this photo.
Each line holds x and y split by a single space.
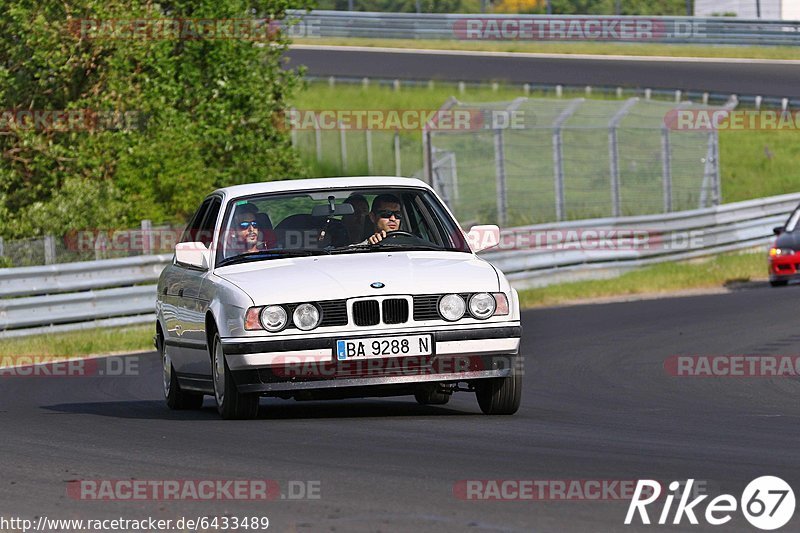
784 268
309 363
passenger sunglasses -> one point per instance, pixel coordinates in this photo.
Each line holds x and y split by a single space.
245 225
385 213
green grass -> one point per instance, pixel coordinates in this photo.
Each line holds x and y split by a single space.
661 278
638 49
79 343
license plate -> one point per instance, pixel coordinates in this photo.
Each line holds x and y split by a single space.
378 347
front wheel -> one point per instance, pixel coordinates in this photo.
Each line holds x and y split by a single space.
500 396
231 404
176 398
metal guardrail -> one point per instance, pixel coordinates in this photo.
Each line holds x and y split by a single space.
691 30
115 292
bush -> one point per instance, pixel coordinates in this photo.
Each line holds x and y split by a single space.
189 115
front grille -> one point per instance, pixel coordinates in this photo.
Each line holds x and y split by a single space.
425 307
395 311
334 313
366 313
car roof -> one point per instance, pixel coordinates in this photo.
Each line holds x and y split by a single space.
237 191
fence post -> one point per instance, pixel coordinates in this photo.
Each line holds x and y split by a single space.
613 155
397 168
2 248
318 140
49 250
343 143
666 168
558 156
500 177
717 191
147 235
368 133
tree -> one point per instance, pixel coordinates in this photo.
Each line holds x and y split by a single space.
165 117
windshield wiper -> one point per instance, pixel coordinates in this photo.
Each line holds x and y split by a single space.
383 246
267 254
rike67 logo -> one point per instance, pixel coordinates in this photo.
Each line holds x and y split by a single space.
767 503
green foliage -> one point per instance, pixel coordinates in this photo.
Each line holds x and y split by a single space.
560 7
204 111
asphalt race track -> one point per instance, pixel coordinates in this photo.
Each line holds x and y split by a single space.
775 78
597 405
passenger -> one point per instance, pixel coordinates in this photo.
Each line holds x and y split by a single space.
354 224
249 236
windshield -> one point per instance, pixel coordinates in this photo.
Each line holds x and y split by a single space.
335 221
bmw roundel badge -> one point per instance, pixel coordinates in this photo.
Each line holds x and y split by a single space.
377 285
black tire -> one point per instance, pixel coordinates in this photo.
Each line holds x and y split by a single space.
500 396
430 395
231 404
778 282
175 398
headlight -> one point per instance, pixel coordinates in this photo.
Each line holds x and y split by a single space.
273 318
482 305
452 307
780 252
306 317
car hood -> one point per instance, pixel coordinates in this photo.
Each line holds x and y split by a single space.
350 275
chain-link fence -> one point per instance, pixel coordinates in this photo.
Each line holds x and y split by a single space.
543 160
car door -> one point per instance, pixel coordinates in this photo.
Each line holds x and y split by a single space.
195 359
171 291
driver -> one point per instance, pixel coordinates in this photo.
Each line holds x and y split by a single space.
385 215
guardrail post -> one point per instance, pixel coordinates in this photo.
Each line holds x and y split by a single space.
558 157
343 143
147 236
49 250
368 134
717 191
2 248
613 155
500 177
666 168
397 167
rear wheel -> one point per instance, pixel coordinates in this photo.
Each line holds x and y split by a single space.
430 395
174 396
231 404
500 396
778 282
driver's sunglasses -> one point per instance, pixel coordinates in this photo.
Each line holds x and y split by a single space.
385 213
246 225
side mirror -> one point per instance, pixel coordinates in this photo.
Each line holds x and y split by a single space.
483 237
777 230
193 254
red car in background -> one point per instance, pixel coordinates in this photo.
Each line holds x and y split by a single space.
784 259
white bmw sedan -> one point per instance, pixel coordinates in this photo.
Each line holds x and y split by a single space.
335 288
